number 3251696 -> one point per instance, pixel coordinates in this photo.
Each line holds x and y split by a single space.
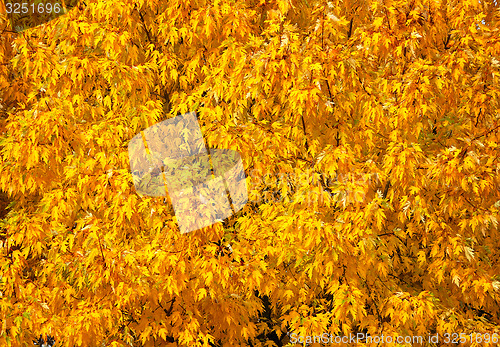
25 7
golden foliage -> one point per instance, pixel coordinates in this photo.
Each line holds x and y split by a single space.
369 133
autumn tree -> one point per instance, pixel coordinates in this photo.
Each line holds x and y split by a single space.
369 135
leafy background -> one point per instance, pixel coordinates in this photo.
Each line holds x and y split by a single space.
369 134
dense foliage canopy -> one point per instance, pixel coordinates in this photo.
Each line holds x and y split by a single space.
369 134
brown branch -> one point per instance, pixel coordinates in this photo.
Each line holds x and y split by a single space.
305 133
100 248
350 29
447 41
486 133
145 28
387 17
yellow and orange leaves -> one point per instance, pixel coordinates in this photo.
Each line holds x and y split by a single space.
368 131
